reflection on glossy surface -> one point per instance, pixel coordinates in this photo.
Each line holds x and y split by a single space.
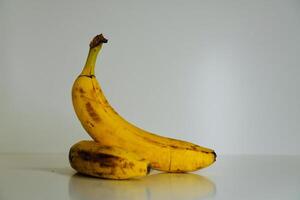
235 177
156 186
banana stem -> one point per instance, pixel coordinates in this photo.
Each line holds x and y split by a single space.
89 68
95 47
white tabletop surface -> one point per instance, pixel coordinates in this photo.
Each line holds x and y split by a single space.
46 176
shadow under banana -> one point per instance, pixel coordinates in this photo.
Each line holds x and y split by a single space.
156 186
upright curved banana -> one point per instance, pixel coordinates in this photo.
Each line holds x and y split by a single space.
91 158
107 127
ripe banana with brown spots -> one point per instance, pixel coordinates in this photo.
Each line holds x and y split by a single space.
91 158
108 128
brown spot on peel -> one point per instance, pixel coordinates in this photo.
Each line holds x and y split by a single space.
194 147
125 165
153 141
131 164
84 155
104 160
81 91
101 156
90 124
107 164
91 111
174 147
106 147
115 112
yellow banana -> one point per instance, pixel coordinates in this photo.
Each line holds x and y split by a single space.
91 158
108 128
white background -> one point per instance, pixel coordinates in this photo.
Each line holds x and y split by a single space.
222 74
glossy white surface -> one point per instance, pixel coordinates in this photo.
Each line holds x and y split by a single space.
222 74
231 177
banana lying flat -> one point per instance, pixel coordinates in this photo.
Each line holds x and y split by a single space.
91 158
108 128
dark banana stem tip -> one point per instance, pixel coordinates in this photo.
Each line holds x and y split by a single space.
97 40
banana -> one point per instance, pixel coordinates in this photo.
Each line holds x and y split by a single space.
91 158
108 128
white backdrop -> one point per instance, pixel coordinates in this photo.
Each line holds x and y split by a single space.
223 74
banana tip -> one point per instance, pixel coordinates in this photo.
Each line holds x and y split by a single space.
215 155
97 40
